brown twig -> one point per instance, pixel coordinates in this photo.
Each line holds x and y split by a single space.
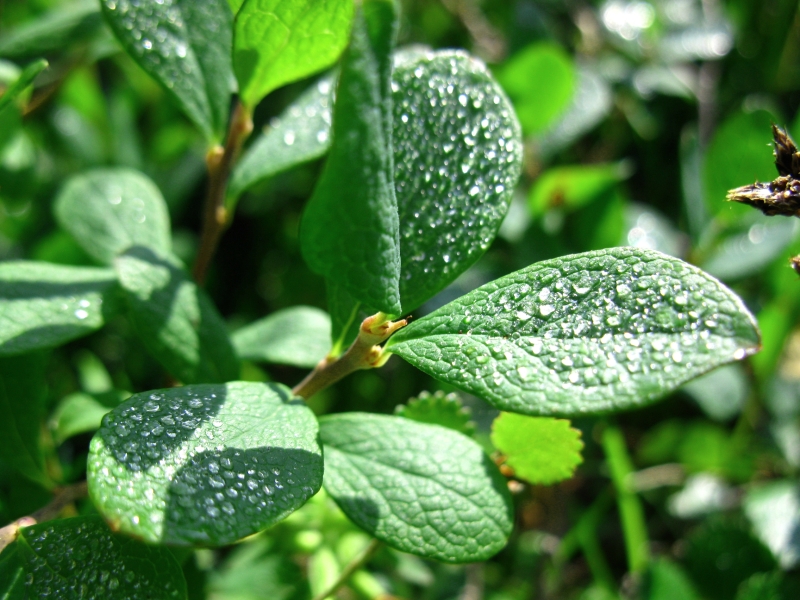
220 161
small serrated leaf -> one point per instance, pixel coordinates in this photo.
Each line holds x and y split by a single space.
420 488
438 409
587 333
540 450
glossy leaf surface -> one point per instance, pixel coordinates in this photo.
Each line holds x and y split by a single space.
175 319
81 558
277 42
44 305
204 464
186 46
298 336
109 210
586 333
420 488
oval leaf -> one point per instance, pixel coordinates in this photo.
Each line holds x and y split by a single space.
44 305
175 319
457 156
586 333
109 210
204 464
186 46
80 558
420 488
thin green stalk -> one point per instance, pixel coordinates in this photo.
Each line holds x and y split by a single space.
353 566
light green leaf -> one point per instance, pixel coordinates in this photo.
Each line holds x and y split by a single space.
438 409
349 231
573 186
44 305
78 413
420 488
22 397
774 511
186 46
300 134
175 319
298 336
204 464
587 333
540 450
79 557
277 42
109 210
347 314
457 155
25 78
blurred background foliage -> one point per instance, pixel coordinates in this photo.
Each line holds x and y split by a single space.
638 116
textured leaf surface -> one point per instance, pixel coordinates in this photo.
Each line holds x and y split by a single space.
540 450
438 409
186 46
420 488
175 319
109 210
44 305
80 558
349 231
585 333
300 134
25 78
204 464
298 336
277 42
457 155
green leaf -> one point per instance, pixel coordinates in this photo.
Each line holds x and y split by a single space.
204 464
349 231
186 47
278 42
573 186
44 305
298 336
768 586
12 574
774 510
300 134
457 155
540 450
109 210
666 580
77 413
22 398
80 558
438 409
25 79
587 333
540 80
420 488
347 314
175 319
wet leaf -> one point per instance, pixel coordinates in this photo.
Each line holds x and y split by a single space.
420 488
438 409
204 464
109 210
586 333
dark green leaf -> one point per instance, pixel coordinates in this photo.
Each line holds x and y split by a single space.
12 574
586 333
769 586
44 305
186 46
349 231
298 336
175 319
110 210
420 488
25 78
438 409
204 464
278 42
665 580
457 155
76 558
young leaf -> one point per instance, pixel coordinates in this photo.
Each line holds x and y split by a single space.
298 336
277 42
587 333
300 134
420 488
204 464
44 305
81 558
186 46
25 78
457 155
175 319
77 413
109 210
438 409
349 231
540 450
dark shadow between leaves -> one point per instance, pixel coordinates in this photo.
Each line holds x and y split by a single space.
360 510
